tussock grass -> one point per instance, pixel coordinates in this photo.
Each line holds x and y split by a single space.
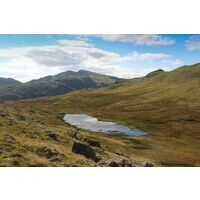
166 105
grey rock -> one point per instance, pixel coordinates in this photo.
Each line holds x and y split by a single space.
84 149
53 135
148 165
73 133
3 114
114 164
54 159
46 152
122 163
9 138
126 163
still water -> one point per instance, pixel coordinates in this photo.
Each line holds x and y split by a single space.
93 124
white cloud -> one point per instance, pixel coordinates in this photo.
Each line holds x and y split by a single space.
193 43
148 56
33 62
139 39
75 43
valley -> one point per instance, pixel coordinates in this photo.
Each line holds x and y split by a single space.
164 104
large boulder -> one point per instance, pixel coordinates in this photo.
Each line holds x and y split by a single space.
84 149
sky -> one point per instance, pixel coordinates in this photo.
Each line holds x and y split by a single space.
27 57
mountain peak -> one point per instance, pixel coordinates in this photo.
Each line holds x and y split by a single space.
58 84
84 71
156 72
8 81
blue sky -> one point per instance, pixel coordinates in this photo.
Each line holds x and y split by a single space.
26 57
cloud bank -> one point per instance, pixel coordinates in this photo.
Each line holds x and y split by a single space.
26 63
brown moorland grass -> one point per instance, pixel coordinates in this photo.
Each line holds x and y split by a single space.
166 105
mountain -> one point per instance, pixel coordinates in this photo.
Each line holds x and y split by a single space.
166 105
161 91
8 81
155 73
57 85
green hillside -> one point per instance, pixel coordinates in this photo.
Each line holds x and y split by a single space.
56 85
164 104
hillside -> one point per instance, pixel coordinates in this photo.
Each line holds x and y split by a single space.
56 85
8 82
165 104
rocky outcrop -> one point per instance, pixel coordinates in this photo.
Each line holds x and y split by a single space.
84 149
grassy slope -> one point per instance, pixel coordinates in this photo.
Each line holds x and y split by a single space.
167 105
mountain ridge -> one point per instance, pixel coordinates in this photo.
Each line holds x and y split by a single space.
166 106
57 84
68 81
8 81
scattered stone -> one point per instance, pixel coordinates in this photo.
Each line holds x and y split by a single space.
9 138
122 163
46 152
149 165
126 163
3 114
84 149
10 158
73 133
55 159
94 143
16 155
34 134
13 160
114 164
53 135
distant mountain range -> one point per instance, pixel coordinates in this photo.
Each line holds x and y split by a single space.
68 81
166 105
8 82
62 83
